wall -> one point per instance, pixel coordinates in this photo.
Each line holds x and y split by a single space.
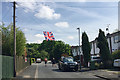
21 64
7 65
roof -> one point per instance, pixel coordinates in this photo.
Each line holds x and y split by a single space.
113 34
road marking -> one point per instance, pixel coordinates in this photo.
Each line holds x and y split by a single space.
26 76
36 72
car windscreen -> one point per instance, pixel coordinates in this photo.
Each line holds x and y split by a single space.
38 59
68 60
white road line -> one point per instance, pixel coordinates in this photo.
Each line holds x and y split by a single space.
36 72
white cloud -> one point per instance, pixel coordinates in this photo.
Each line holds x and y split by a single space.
28 6
0 23
70 37
25 29
38 41
39 35
62 24
47 13
41 11
60 39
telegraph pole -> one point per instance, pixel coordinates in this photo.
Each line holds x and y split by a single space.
79 47
14 29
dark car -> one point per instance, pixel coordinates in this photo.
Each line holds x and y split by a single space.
67 64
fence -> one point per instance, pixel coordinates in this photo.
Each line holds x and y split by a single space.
21 64
7 65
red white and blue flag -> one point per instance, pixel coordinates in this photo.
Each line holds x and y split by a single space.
48 36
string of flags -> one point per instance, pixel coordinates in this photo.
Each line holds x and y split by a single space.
48 35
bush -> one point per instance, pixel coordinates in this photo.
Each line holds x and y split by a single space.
116 54
96 65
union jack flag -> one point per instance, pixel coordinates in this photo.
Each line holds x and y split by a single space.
48 35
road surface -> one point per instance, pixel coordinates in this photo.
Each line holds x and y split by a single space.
38 70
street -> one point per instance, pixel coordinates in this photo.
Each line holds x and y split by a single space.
38 70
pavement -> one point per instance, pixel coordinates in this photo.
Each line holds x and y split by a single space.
39 71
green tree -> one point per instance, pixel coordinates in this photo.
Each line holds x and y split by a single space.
86 48
8 39
68 50
53 48
116 55
47 46
104 49
32 50
44 54
59 49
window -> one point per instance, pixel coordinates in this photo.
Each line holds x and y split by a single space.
117 39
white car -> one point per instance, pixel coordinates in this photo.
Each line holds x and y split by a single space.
95 58
38 60
116 63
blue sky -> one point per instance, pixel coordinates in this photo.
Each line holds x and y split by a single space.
62 18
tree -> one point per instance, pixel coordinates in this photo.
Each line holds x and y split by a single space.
53 48
68 50
5 40
86 48
116 55
104 49
20 42
8 41
44 54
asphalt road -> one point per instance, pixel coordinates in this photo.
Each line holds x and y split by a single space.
38 70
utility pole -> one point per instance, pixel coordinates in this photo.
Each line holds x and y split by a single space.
79 47
14 29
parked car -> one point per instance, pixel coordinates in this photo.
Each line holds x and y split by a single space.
116 63
96 58
67 63
38 60
78 62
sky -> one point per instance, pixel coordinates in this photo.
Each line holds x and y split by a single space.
62 18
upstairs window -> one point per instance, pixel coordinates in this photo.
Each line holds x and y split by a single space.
116 39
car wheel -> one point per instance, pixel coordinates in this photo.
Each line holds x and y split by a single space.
76 69
63 69
59 67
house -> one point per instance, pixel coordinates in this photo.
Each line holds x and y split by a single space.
113 42
75 52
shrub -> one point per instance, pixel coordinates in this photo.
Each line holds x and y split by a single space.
116 54
97 65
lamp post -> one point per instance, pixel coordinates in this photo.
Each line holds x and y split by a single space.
79 47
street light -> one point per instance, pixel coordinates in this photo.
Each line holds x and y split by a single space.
79 47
